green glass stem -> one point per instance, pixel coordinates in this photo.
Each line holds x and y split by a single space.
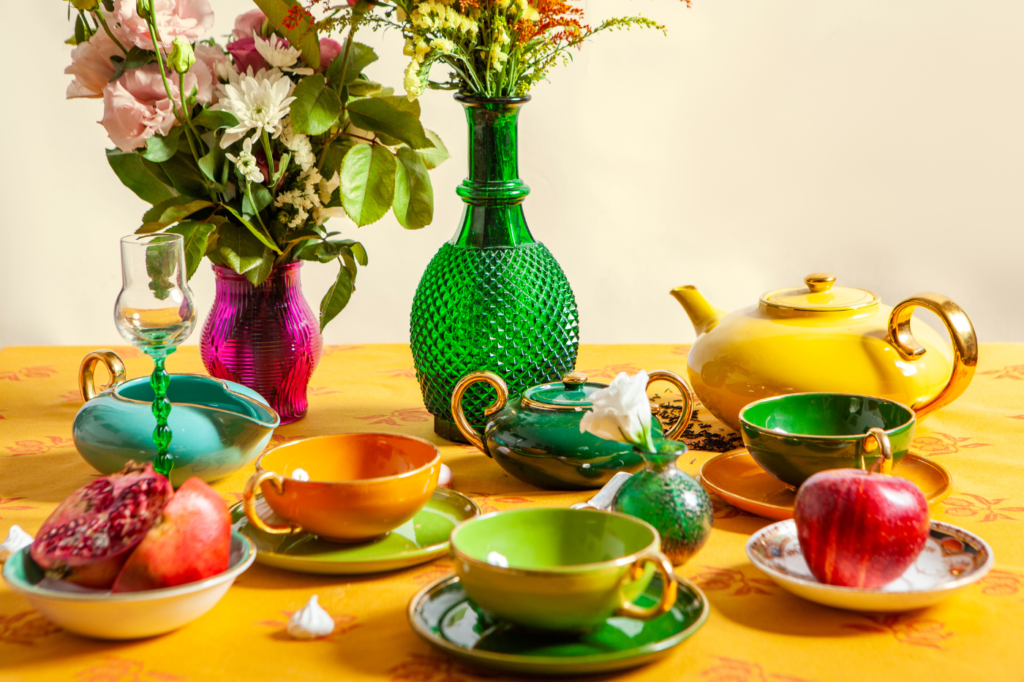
160 380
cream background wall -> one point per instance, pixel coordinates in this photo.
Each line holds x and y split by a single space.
880 140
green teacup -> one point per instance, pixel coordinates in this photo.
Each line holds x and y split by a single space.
795 436
560 569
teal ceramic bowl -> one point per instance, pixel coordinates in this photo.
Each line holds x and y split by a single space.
218 426
795 436
126 615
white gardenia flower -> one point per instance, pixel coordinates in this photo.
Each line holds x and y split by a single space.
246 163
621 412
280 54
259 103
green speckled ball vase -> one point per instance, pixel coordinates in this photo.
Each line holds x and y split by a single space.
668 499
493 298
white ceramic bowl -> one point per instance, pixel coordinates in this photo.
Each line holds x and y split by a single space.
128 615
951 560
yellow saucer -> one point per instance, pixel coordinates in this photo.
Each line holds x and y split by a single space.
739 480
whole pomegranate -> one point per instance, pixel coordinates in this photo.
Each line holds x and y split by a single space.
88 537
190 541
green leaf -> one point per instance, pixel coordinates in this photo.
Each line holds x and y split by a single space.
316 107
360 57
368 183
214 165
359 252
260 195
160 149
414 195
337 297
238 248
403 104
196 236
335 155
363 88
304 233
184 175
81 30
135 176
303 36
135 59
208 118
153 215
256 232
259 274
432 158
381 116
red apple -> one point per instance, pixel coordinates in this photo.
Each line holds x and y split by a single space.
860 529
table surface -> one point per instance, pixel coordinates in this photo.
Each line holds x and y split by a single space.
756 631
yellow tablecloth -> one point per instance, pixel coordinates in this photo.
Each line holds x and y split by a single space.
756 631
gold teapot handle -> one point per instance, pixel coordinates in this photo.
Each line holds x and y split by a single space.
249 503
668 591
465 428
961 331
87 373
684 390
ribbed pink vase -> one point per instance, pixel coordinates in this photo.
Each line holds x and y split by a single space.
264 337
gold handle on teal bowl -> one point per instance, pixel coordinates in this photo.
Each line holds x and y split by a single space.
875 439
684 391
87 373
668 590
465 428
249 503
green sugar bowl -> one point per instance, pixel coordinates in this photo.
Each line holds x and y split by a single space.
536 437
218 426
797 435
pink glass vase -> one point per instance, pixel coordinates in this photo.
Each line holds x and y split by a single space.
264 337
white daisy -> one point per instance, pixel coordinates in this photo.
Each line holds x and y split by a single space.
280 54
258 102
246 163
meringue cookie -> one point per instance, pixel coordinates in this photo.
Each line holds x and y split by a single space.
310 622
16 539
445 479
300 475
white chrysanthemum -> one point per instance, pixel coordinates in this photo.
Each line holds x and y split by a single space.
258 102
298 145
246 163
280 54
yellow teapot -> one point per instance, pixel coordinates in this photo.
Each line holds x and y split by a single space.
821 337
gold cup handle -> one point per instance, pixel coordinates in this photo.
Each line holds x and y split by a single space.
249 503
465 428
684 390
876 439
961 331
668 591
87 373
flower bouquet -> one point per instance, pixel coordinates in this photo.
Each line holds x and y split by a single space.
246 151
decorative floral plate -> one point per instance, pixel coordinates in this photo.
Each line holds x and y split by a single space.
951 560
736 478
445 617
421 539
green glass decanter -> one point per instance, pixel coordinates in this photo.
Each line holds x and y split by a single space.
493 298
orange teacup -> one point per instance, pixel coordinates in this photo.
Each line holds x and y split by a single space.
360 487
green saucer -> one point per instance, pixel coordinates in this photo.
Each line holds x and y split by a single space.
422 539
445 617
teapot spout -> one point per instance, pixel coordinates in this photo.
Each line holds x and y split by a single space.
703 315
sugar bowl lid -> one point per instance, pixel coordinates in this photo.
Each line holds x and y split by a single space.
573 392
819 295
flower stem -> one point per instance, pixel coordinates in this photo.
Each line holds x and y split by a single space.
99 15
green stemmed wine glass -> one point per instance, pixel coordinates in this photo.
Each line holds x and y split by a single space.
155 312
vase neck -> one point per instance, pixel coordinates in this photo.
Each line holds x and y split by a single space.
665 455
493 191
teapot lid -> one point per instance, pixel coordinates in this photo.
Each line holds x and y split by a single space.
571 393
819 295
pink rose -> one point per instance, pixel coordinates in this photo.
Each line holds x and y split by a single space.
245 55
329 49
188 19
91 66
136 106
248 23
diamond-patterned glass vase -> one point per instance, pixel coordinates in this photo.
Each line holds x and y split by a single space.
493 298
